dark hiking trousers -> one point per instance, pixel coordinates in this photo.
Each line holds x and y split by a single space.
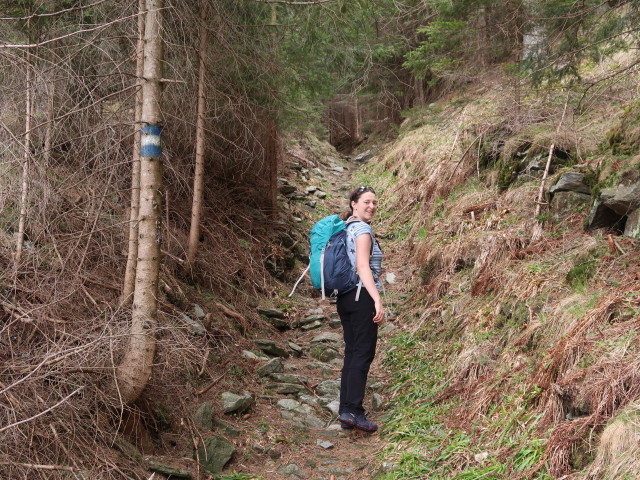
360 337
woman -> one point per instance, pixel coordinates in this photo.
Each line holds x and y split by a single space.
360 318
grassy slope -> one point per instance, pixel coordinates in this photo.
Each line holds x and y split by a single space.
516 350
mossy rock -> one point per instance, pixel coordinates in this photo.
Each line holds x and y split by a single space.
508 172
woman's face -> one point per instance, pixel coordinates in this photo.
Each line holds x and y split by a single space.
365 207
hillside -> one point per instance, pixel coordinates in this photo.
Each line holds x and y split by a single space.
518 351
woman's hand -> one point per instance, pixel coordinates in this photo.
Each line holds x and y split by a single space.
379 316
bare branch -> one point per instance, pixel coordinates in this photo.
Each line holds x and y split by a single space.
43 412
285 2
72 34
53 14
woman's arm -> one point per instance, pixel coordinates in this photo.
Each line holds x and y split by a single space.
363 249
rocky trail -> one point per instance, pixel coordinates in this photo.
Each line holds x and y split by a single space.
290 430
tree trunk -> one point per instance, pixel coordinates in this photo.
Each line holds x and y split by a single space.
517 54
134 371
356 122
132 251
25 164
48 132
272 160
272 145
418 85
198 179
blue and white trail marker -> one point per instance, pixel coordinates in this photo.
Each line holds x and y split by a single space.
150 141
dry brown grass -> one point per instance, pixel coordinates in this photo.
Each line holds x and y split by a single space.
618 454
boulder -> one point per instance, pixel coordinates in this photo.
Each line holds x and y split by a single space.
386 329
215 453
329 388
293 406
287 189
278 323
198 311
271 312
288 378
333 406
623 200
296 349
271 348
325 368
377 402
169 470
570 182
324 444
364 156
312 326
203 417
234 403
252 356
275 365
565 203
324 353
229 430
312 318
328 337
335 322
285 388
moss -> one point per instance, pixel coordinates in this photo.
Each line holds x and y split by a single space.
624 137
585 267
626 176
508 173
590 178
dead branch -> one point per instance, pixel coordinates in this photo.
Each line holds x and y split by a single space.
40 467
230 313
72 34
213 382
481 207
53 407
53 14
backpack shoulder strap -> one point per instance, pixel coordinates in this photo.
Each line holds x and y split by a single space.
351 221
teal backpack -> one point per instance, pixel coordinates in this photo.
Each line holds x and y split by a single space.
321 232
322 269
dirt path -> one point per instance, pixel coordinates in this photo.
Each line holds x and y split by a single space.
296 433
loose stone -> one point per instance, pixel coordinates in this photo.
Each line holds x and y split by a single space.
324 444
215 453
275 365
234 403
312 326
271 348
296 349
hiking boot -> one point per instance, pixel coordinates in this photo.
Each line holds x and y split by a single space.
347 420
357 421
